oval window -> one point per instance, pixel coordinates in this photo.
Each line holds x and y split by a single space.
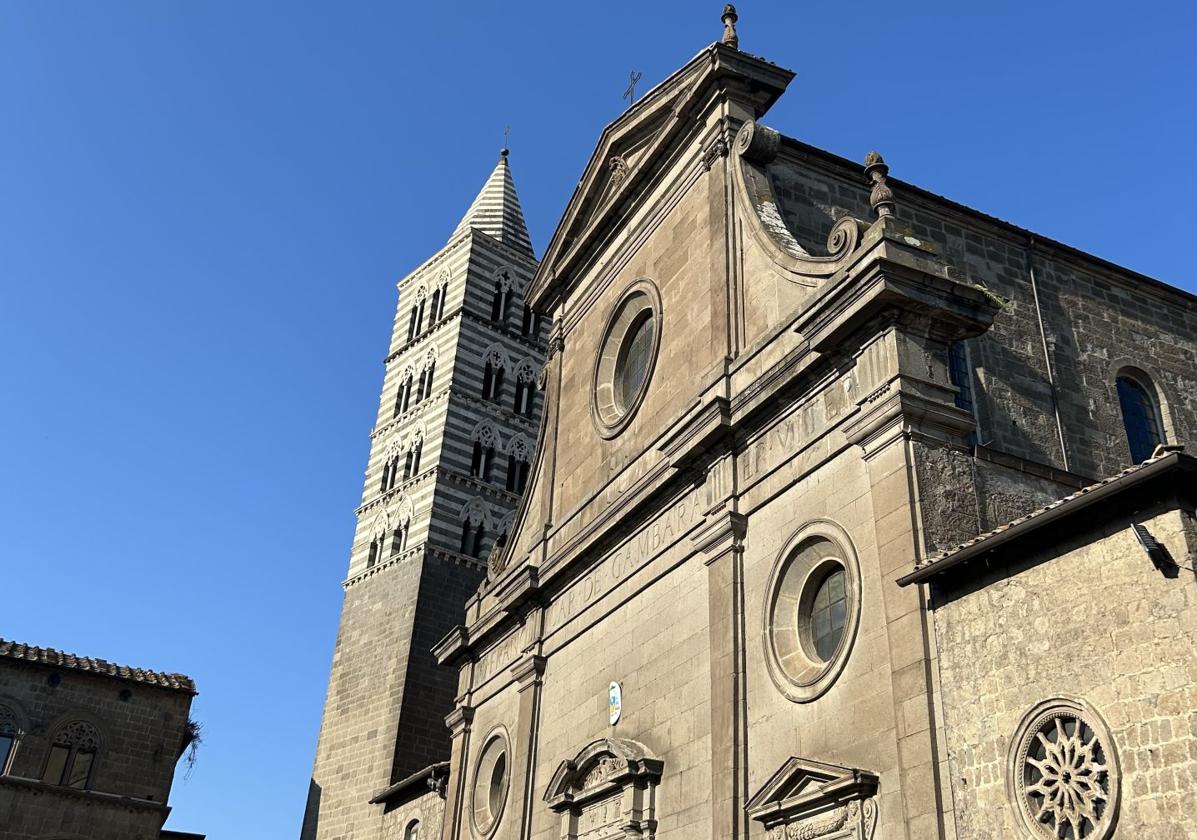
626 357
490 784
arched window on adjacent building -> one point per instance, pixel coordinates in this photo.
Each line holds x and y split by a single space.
413 831
72 758
1140 414
10 733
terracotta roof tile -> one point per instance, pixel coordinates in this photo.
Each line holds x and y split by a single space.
940 556
60 659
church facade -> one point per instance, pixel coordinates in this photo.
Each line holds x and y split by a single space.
855 513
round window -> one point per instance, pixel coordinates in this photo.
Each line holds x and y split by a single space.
626 357
1063 772
490 784
812 609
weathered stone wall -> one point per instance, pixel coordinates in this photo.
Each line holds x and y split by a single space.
141 730
1091 618
1097 319
426 812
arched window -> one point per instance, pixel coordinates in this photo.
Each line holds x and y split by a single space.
390 473
376 548
498 303
471 539
73 752
411 464
420 316
517 474
528 325
399 539
426 379
525 389
492 382
1140 416
434 308
413 831
411 324
9 735
960 375
483 458
403 397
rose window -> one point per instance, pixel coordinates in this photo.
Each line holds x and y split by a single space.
1065 776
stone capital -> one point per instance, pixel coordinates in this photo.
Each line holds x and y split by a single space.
459 719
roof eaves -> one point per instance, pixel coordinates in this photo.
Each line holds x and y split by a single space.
1068 506
54 658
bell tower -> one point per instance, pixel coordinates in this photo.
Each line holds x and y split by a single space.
449 456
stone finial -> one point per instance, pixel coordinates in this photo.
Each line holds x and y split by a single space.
730 38
881 197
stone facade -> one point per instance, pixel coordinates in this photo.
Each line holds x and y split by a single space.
450 451
838 378
87 749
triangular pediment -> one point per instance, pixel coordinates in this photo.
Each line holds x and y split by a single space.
802 786
633 147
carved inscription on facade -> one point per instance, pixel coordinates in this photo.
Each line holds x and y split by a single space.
654 538
503 654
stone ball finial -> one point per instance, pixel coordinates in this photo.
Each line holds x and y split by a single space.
881 197
730 38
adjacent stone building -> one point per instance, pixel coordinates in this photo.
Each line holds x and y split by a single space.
87 748
450 455
764 582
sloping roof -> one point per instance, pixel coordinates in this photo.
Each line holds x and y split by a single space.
496 211
59 659
1165 460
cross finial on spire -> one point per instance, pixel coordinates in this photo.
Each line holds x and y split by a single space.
506 137
630 93
730 38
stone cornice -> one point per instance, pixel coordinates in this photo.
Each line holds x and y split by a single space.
91 797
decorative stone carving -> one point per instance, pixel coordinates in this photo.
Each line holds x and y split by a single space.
807 799
758 143
607 791
78 734
730 38
8 722
882 197
756 146
619 173
1063 772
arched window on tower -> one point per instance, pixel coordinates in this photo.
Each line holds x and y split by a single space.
73 752
492 382
403 397
399 539
10 733
411 324
529 323
411 464
525 389
480 462
390 473
519 457
471 538
435 307
1140 414
426 379
375 551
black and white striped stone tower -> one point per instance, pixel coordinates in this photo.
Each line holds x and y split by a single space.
449 455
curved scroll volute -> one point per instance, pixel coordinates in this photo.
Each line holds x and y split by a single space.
756 147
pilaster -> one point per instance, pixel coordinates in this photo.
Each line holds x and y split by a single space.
721 543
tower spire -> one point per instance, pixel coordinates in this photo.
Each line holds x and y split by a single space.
496 210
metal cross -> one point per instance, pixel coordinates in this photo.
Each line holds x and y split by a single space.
506 136
630 93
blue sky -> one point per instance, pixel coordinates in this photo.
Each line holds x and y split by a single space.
204 208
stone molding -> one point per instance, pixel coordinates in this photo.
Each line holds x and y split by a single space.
609 786
808 799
